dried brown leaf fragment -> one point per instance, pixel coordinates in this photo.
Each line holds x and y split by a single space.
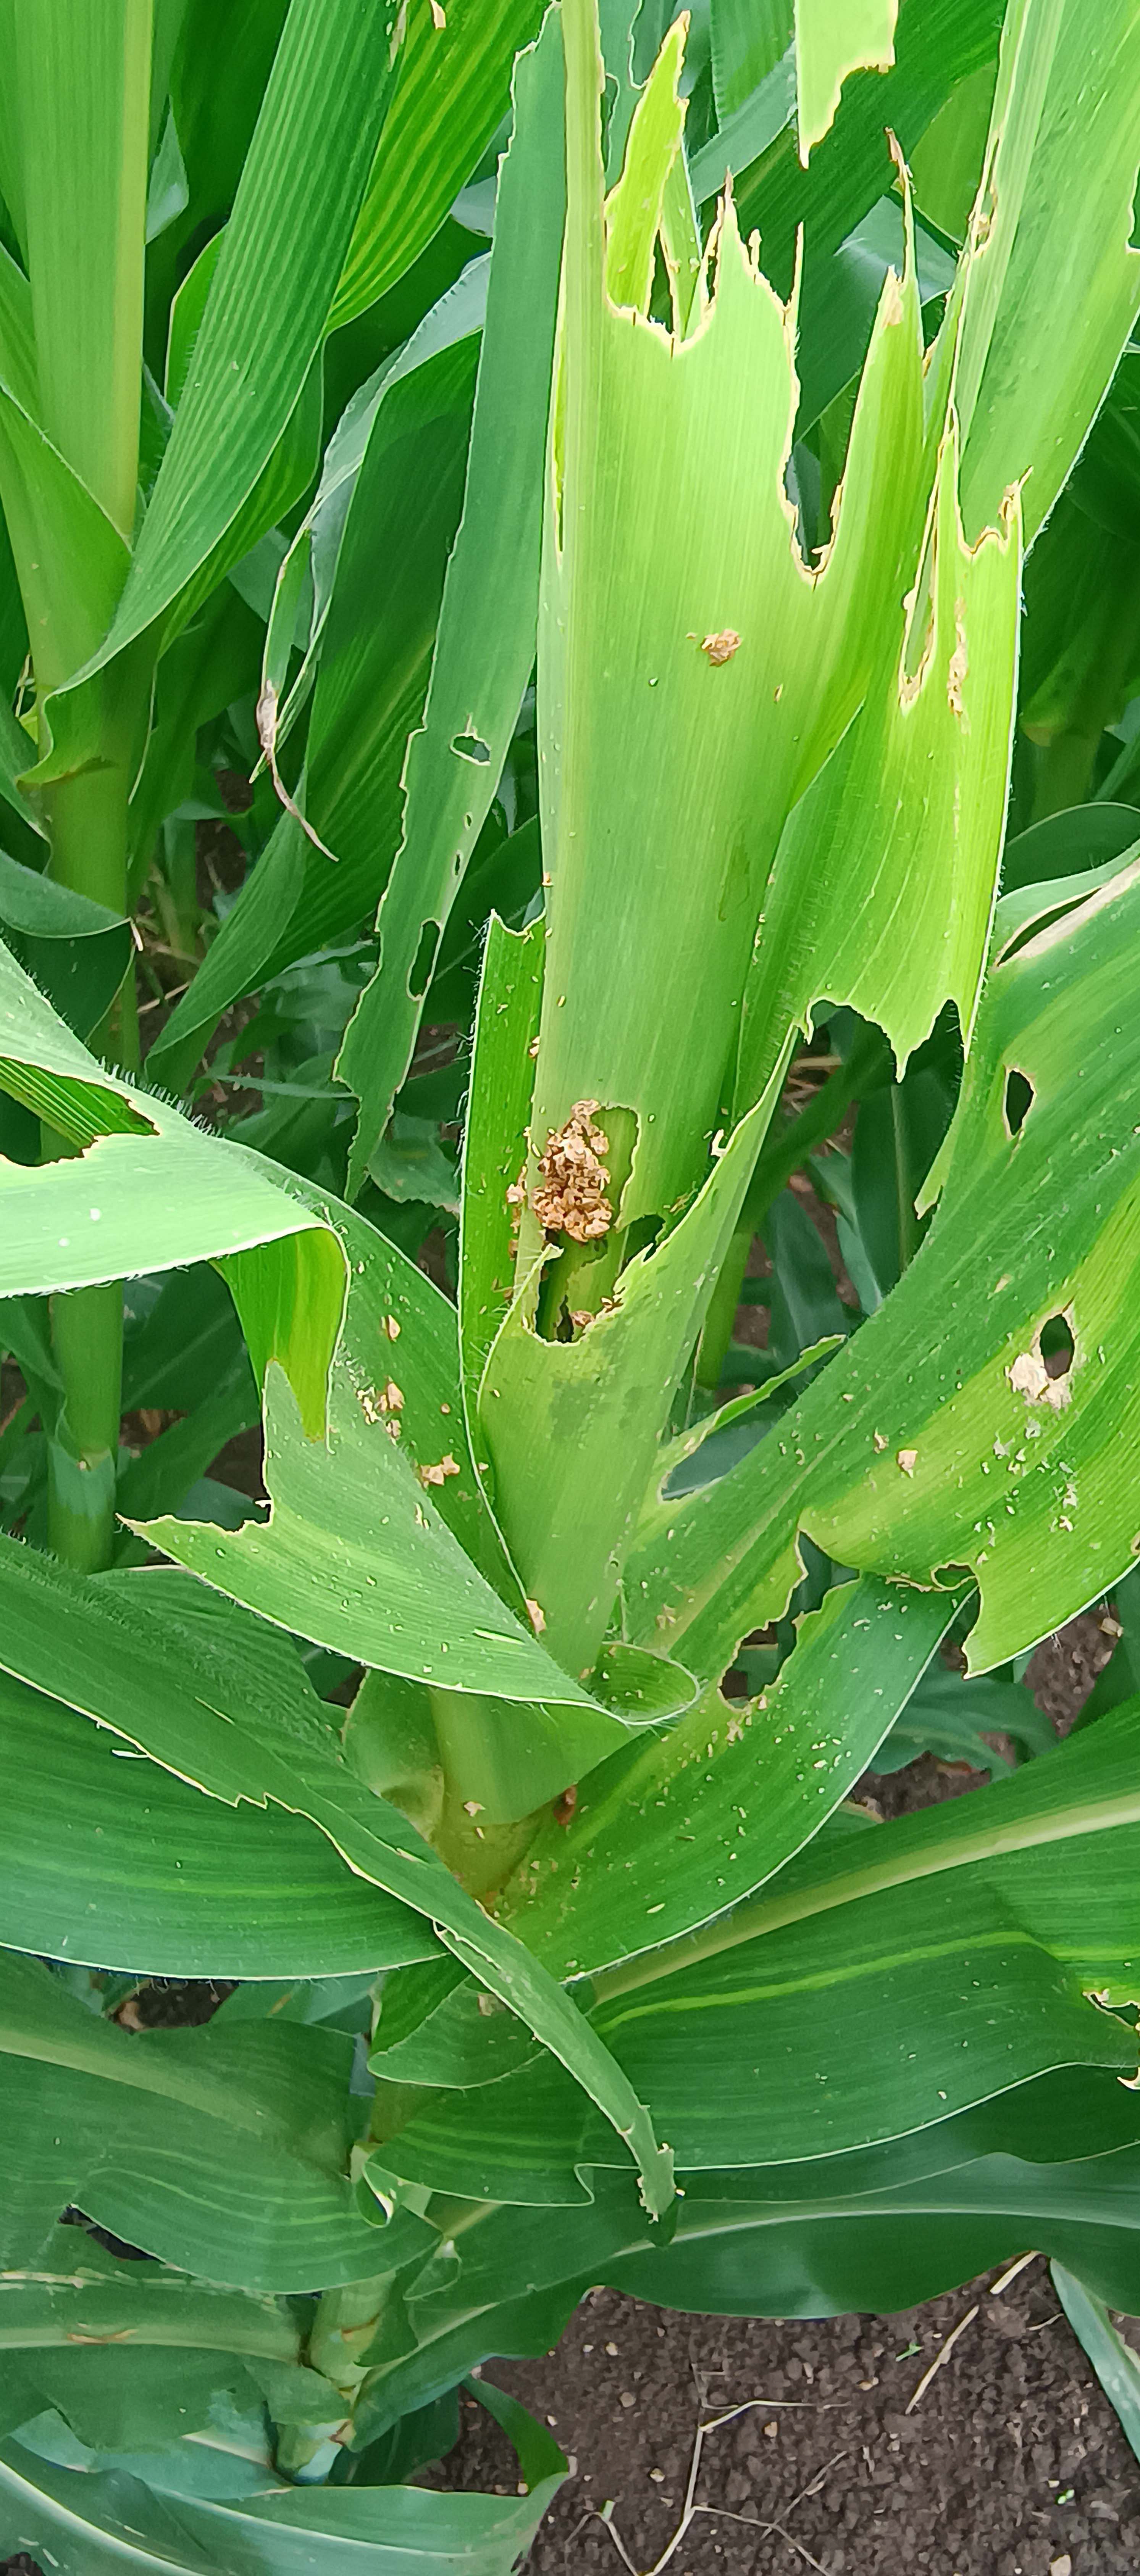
721 646
438 1473
572 1199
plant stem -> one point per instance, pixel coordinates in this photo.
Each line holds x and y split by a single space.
87 1339
88 820
346 2324
83 85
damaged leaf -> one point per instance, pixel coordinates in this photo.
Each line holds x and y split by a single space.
1019 1461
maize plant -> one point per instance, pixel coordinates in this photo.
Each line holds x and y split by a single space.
569 1182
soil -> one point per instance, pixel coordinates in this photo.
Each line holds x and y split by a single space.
1013 2463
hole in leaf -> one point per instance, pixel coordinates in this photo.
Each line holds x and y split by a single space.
1057 1347
82 1112
470 747
420 976
1018 1101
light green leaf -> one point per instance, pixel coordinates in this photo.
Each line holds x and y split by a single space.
572 1427
495 1146
485 645
957 1447
1051 236
688 694
634 207
677 1829
834 38
148 1190
355 1556
421 1357
398 1417
921 771
1116 2365
291 1305
186 310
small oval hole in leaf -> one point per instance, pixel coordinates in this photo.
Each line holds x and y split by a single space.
1018 1100
1058 1349
470 747
420 976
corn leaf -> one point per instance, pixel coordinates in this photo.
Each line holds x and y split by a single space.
1051 233
374 665
914 2217
82 81
1025 1894
107 1858
748 39
112 1654
267 310
571 1428
923 769
688 693
71 558
495 1145
91 2524
834 38
484 648
162 2136
148 1190
1116 2365
957 1447
937 46
454 90
703 1838
354 1556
